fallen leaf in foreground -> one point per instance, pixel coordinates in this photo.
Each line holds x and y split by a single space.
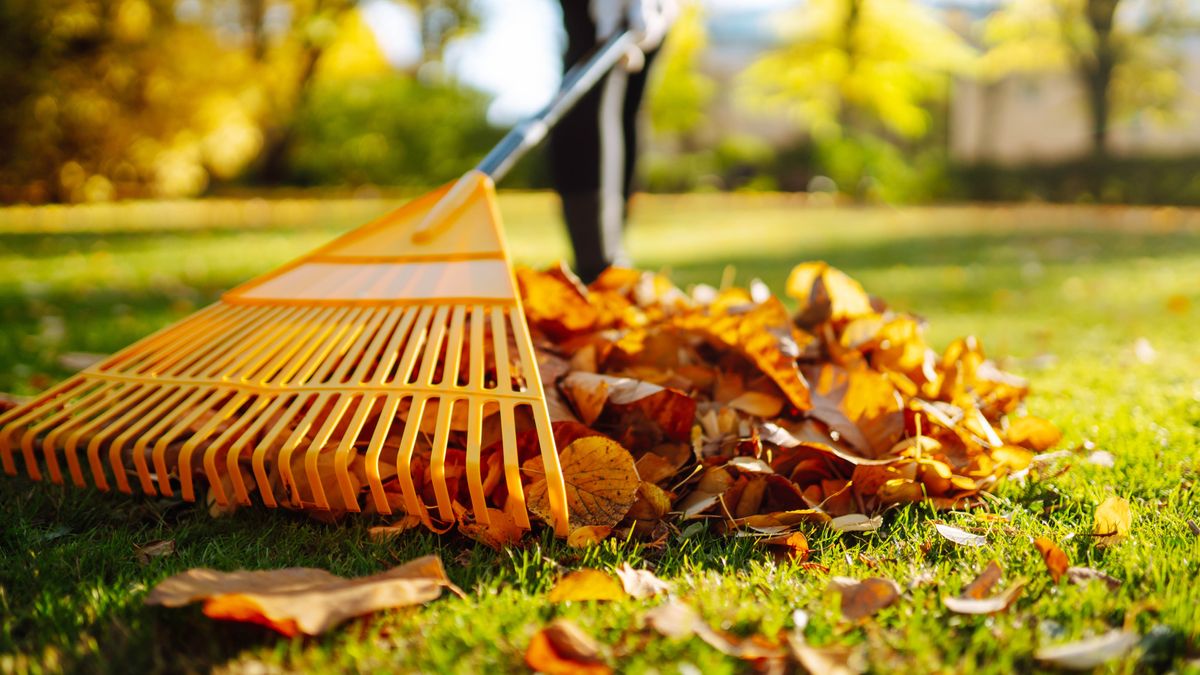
1080 576
641 583
384 532
562 648
825 660
856 522
974 598
676 620
582 537
960 537
1056 561
587 585
1090 653
1113 521
861 599
304 600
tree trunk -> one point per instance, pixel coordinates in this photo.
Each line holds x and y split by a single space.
1097 72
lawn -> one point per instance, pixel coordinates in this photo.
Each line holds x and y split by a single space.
1096 306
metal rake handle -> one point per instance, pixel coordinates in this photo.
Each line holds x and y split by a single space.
527 134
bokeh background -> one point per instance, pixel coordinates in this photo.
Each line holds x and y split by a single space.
895 101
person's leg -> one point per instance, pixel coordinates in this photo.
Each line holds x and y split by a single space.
585 143
633 103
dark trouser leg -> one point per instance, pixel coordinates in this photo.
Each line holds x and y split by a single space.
592 154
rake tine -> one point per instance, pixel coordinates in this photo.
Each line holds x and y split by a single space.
433 347
437 460
474 475
126 396
416 340
512 465
392 351
365 331
189 446
139 447
500 345
187 329
189 411
370 357
258 460
386 414
132 422
17 417
308 358
344 333
231 455
284 348
475 379
48 448
312 455
404 459
293 441
346 449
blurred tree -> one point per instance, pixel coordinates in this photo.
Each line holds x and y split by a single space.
680 93
1123 53
860 76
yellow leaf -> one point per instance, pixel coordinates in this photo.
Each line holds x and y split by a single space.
587 584
582 537
1113 521
601 481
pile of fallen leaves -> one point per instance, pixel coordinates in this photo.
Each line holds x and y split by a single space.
719 404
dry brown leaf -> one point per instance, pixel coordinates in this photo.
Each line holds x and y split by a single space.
676 620
984 582
1113 521
1081 576
562 648
960 537
587 584
834 660
406 523
1056 561
825 293
155 549
1089 653
641 583
973 600
861 599
499 532
601 481
299 600
583 537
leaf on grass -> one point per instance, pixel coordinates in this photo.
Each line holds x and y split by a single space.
676 620
1090 653
984 582
1032 432
601 481
562 648
960 537
641 583
500 531
1081 576
383 532
155 549
304 600
861 599
973 600
833 660
856 522
583 537
1113 521
1056 561
794 543
587 584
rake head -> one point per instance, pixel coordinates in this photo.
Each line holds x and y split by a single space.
385 371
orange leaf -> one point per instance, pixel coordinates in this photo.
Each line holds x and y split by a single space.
587 585
500 531
563 649
861 599
1056 561
298 600
1032 432
582 537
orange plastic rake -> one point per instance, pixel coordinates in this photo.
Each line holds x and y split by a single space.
360 360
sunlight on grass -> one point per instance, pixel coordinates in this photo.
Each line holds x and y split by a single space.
1096 306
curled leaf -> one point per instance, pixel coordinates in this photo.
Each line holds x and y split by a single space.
299 600
641 583
562 648
861 599
1113 521
582 537
1090 653
960 537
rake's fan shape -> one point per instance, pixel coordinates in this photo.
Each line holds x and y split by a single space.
364 350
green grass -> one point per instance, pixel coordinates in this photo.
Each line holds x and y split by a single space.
1061 295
